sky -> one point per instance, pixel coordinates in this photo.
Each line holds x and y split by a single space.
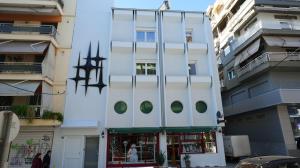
188 5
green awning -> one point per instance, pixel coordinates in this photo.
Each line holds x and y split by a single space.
189 129
133 130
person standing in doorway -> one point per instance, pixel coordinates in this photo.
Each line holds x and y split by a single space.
46 160
37 161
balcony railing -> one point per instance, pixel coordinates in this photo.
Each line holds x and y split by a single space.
268 57
36 108
10 28
20 67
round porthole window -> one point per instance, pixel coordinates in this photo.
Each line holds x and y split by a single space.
120 107
177 107
146 107
201 107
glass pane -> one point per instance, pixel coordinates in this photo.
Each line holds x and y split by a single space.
140 36
177 107
150 37
151 69
201 107
132 149
189 37
146 107
192 69
140 69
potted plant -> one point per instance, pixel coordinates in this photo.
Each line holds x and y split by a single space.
187 161
160 158
20 110
49 115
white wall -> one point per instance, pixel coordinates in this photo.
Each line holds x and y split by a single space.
87 30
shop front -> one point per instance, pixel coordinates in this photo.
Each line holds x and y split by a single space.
27 144
181 144
132 149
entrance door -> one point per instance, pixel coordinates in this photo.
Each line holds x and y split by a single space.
91 152
73 152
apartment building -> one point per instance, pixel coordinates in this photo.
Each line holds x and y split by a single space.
142 79
35 45
257 43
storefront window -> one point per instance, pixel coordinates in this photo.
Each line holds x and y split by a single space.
127 149
190 143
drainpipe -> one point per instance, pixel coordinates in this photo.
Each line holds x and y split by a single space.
5 145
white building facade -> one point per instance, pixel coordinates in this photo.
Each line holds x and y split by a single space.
142 78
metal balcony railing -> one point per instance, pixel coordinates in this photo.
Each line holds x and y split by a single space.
37 110
20 67
268 57
10 28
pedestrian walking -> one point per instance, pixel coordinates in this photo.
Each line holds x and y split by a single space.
37 161
46 159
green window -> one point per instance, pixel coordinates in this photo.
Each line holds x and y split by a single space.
146 107
120 107
201 107
177 107
146 69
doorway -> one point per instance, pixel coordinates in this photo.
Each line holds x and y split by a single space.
91 152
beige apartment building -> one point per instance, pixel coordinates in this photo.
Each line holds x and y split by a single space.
35 46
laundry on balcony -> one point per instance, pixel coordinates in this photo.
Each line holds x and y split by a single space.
18 89
22 47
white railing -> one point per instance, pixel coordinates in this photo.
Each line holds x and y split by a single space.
268 57
60 2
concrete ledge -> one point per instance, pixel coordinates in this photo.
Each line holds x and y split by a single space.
39 123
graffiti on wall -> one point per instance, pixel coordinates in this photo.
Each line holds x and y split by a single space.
21 155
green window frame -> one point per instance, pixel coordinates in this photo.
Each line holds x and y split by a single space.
177 107
201 106
146 68
120 107
146 107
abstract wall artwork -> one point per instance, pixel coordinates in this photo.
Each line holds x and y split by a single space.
91 64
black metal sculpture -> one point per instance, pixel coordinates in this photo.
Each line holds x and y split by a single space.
88 67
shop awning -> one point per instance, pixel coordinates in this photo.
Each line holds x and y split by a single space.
282 41
248 52
18 89
19 47
133 130
189 129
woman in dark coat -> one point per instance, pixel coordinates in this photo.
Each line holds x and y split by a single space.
46 159
37 161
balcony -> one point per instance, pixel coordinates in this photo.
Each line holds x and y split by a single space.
18 110
10 28
41 7
10 31
21 67
36 118
269 59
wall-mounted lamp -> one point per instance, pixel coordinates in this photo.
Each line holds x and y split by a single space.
102 134
220 118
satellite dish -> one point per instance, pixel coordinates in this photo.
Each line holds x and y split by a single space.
14 127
